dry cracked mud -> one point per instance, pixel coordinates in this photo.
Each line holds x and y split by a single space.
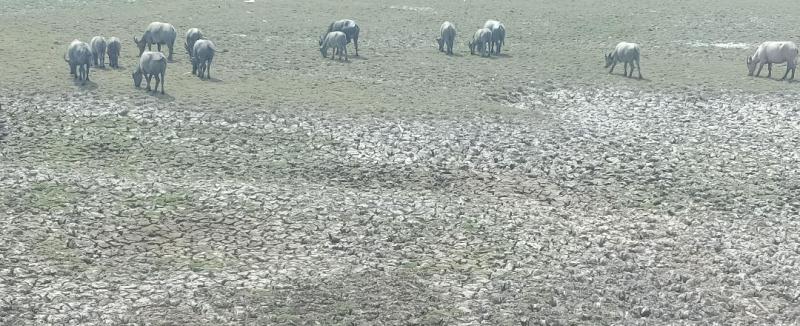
405 187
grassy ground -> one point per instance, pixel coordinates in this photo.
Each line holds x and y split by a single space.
272 59
404 186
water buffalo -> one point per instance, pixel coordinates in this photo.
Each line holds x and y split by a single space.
627 53
447 35
349 28
498 35
79 58
773 52
192 35
98 46
336 40
113 50
150 64
480 42
202 54
157 33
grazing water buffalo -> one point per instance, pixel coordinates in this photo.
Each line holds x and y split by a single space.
349 28
498 35
79 58
447 35
157 33
336 40
114 48
480 42
773 52
202 54
192 35
98 46
627 53
150 64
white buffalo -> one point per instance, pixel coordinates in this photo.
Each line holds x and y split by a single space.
192 35
202 54
151 64
157 33
113 50
335 40
98 46
349 27
481 41
447 35
498 35
79 58
627 53
773 52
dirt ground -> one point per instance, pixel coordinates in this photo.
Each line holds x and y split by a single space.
403 187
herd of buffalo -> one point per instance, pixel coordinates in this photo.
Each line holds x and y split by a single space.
81 56
486 41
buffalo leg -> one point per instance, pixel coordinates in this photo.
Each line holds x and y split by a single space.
759 69
162 83
149 76
639 68
769 70
787 72
612 67
208 72
626 69
355 44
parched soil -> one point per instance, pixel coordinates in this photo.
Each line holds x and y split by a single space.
404 187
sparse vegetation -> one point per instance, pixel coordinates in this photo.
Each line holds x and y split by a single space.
269 196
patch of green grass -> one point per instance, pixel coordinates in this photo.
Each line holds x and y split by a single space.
204 265
409 264
170 199
470 225
56 252
439 316
49 195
